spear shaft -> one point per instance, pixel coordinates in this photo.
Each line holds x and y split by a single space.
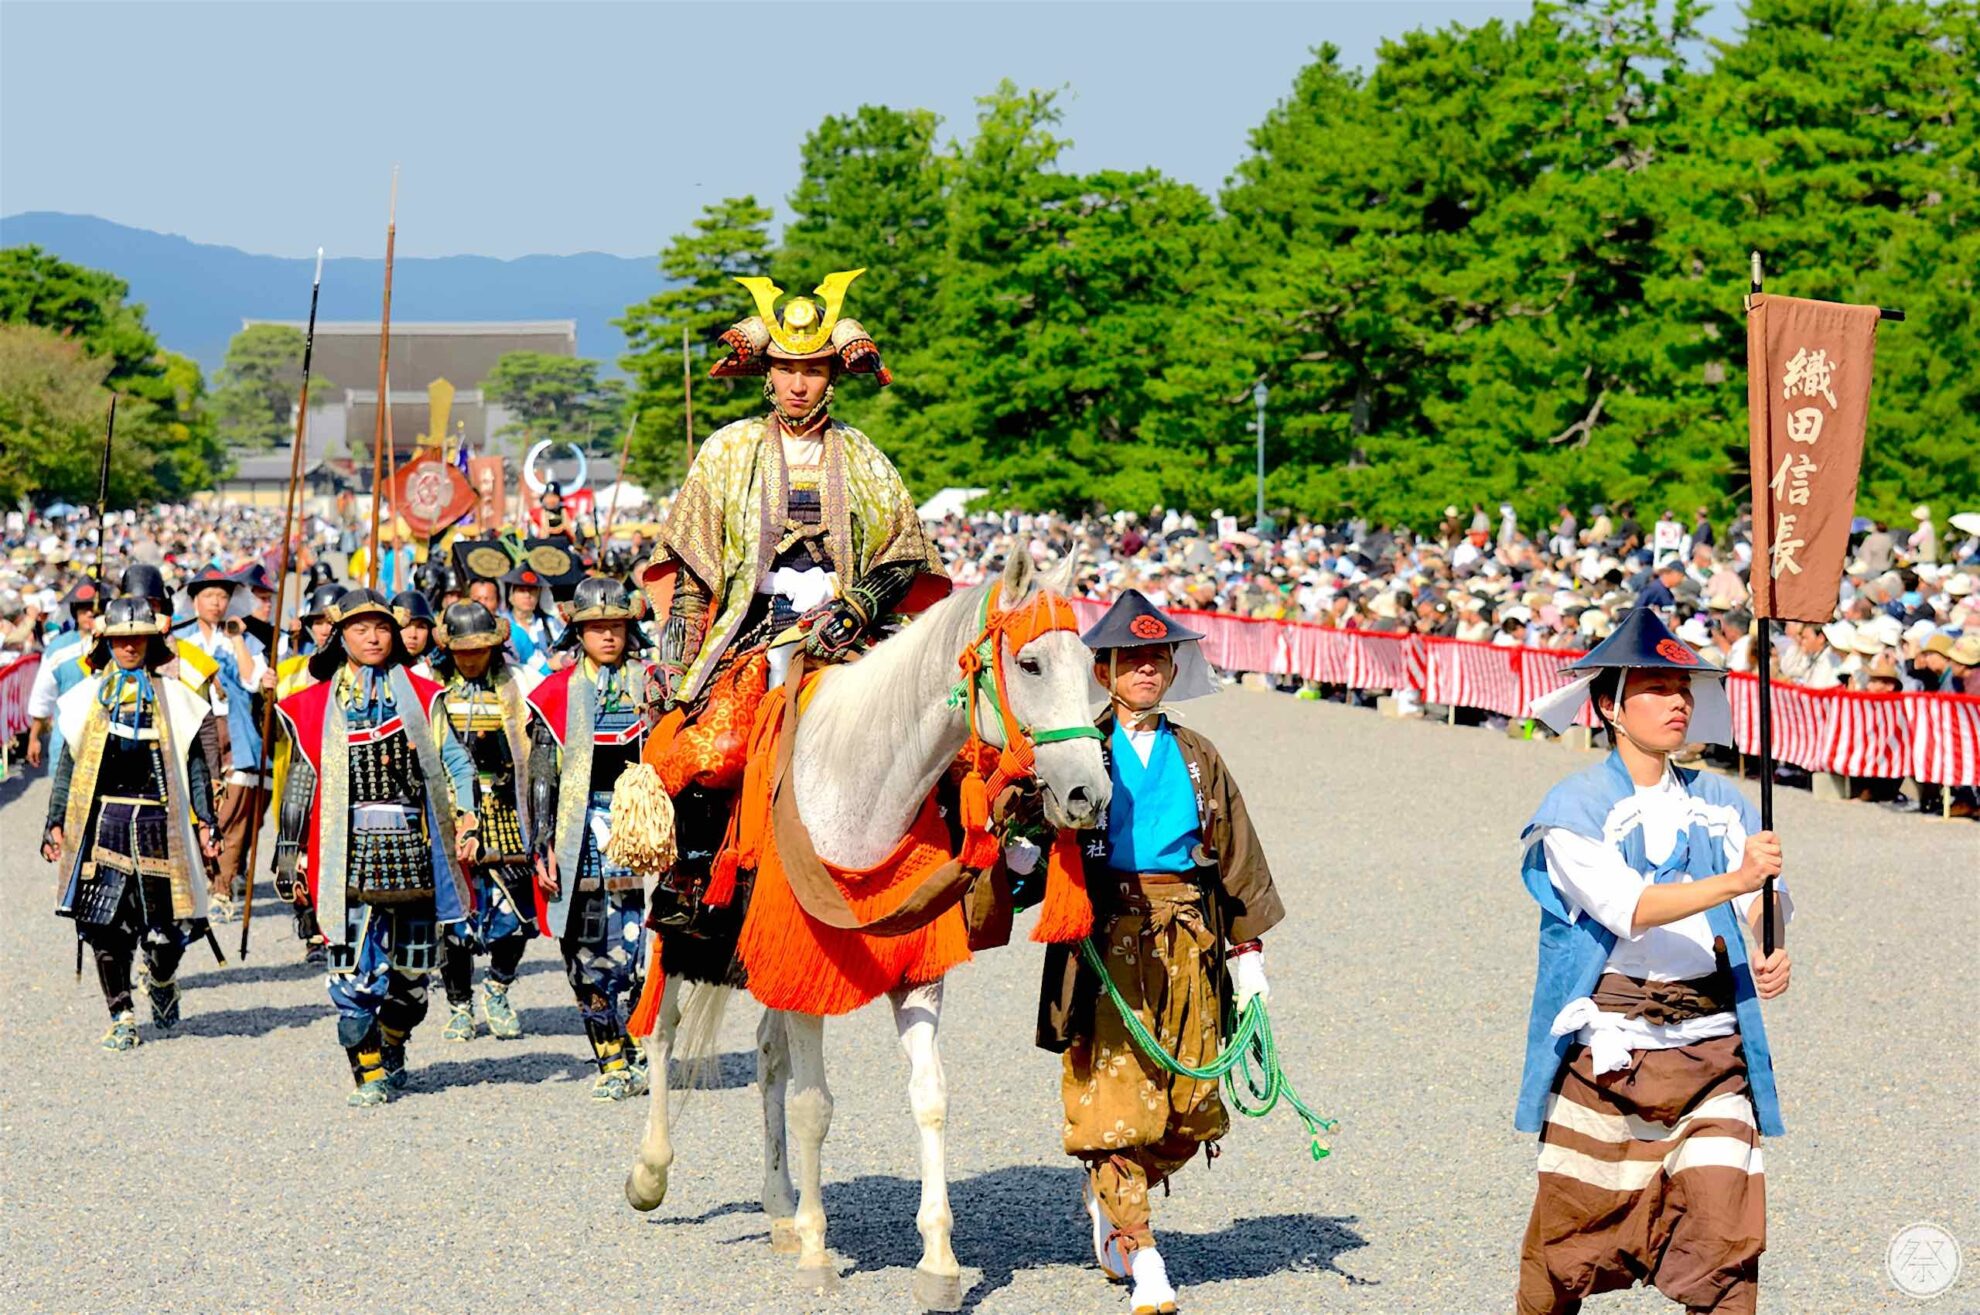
103 492
384 360
282 565
687 397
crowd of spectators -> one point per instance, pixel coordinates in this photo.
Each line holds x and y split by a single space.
1908 616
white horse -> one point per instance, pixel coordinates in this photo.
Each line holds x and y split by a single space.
870 747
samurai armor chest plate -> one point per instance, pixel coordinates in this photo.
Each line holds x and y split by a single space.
384 769
391 862
130 837
489 749
501 830
804 511
615 745
132 768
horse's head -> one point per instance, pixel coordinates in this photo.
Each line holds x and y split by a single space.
1049 678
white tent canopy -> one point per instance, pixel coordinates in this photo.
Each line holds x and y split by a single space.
629 495
949 502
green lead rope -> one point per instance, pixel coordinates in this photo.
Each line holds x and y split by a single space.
1251 1054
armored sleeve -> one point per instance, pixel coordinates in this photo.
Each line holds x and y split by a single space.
58 793
543 783
882 587
685 627
199 781
294 820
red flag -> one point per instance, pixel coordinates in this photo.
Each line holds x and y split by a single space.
430 494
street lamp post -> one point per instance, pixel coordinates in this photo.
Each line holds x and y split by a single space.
1259 393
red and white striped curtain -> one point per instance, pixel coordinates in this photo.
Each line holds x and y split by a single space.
1929 737
1945 738
1462 674
16 680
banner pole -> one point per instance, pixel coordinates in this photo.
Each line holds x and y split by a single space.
1763 642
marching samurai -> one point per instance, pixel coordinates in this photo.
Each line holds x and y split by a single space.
589 721
485 709
130 815
379 805
292 675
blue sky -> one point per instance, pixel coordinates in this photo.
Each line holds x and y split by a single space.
535 127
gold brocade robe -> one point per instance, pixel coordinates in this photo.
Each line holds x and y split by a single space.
177 718
731 516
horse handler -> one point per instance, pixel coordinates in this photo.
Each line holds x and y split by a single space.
1181 893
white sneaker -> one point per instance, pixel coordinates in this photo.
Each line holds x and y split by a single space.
1106 1250
1153 1293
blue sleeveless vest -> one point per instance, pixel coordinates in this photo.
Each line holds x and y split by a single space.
1574 951
1152 823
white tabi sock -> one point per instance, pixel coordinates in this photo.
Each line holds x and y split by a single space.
1151 1280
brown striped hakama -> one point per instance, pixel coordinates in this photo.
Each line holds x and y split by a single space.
1649 1175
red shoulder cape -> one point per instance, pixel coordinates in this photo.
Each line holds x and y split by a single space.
551 700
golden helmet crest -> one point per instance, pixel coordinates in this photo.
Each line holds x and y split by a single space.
806 330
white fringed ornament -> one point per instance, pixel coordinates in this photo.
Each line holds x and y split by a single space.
642 835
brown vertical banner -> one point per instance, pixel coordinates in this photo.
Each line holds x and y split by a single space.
1808 366
492 500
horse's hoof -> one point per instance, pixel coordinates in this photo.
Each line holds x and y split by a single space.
819 1280
783 1237
645 1189
937 1291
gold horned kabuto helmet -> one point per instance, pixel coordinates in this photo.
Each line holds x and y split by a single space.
808 331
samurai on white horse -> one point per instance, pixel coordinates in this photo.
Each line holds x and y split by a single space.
853 884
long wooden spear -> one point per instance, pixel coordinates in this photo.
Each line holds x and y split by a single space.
384 360
103 492
282 565
391 480
625 450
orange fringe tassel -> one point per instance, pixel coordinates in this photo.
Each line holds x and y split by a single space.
802 965
647 1012
1066 914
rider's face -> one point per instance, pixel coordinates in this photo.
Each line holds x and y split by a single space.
799 384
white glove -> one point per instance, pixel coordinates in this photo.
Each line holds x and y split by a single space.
1248 978
1021 856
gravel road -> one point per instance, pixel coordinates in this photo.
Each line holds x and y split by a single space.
219 1169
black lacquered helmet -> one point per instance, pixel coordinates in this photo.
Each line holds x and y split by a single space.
469 625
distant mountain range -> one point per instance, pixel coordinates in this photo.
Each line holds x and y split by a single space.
195 295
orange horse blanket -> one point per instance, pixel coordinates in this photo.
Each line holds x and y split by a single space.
898 923
798 963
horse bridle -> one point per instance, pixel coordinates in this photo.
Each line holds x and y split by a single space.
1004 634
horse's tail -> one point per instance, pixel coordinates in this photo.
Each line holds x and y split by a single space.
703 1005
